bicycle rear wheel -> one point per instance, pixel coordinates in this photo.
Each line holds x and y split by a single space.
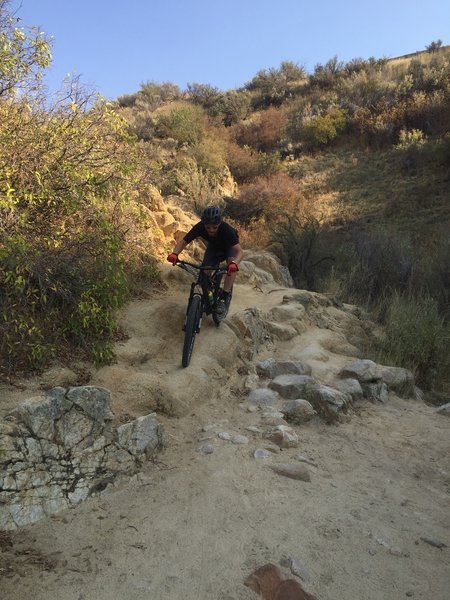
192 323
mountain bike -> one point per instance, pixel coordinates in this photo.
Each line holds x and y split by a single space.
203 299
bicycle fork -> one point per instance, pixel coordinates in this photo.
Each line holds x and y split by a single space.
187 311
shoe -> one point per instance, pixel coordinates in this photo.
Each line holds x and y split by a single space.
221 307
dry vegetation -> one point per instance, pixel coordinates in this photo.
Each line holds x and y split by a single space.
331 168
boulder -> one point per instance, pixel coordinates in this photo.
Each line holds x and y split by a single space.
399 380
328 401
263 397
271 368
298 411
350 386
363 370
291 386
271 264
375 391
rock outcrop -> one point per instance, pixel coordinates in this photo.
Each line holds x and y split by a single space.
61 447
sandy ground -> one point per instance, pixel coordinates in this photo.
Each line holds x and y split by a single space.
193 526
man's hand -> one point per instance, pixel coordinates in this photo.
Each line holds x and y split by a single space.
172 258
232 268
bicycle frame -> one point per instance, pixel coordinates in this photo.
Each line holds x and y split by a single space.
202 299
205 284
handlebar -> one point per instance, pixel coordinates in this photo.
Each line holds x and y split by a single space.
216 270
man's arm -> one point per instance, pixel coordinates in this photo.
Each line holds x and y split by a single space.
238 254
180 246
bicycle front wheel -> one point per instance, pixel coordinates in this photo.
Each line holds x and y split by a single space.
192 323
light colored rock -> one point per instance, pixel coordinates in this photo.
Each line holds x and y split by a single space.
376 391
281 331
250 324
54 446
399 380
263 397
291 386
326 399
94 401
296 471
350 386
271 368
287 312
239 439
363 370
144 435
298 411
251 382
72 428
269 263
262 453
443 410
283 436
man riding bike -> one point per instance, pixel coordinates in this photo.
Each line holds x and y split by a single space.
222 244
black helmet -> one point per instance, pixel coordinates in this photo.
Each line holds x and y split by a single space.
211 215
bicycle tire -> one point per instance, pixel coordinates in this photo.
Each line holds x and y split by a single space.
192 322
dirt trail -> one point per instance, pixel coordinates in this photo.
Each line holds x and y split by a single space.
193 526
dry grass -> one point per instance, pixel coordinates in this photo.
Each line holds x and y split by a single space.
347 186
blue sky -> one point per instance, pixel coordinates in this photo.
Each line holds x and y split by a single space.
114 46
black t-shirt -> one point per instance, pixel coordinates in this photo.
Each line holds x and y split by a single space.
226 236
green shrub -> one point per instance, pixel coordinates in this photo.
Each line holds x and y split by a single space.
326 76
271 87
57 294
236 106
185 124
152 95
210 154
188 179
323 129
374 265
24 54
416 337
210 98
246 164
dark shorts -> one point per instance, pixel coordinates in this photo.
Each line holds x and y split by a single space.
214 257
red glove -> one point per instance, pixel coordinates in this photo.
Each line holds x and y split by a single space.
232 268
172 258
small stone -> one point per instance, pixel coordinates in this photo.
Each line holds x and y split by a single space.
206 449
262 453
283 436
395 551
224 435
209 428
254 429
292 470
298 569
239 439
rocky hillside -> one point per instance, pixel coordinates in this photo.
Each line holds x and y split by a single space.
279 444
